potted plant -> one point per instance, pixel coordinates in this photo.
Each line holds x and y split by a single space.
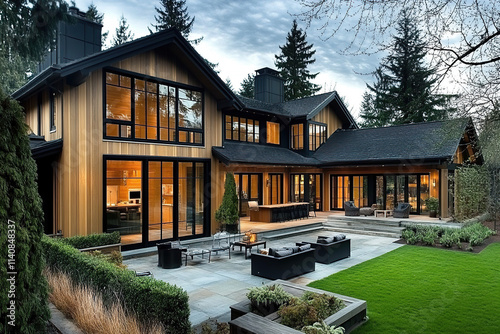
267 299
432 204
227 213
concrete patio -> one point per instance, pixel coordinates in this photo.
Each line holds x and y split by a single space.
213 287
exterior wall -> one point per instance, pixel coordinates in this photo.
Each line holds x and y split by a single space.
79 175
31 111
330 118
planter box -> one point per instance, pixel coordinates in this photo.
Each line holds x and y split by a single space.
105 249
243 321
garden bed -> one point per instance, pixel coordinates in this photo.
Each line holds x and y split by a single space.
470 238
349 317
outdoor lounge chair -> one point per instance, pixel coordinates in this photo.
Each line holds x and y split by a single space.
351 209
402 211
221 242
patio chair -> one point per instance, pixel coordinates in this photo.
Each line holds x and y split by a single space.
402 210
351 209
221 242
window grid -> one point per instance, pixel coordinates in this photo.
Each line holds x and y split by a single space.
297 136
317 136
241 129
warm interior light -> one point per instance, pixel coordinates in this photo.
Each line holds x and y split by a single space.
433 182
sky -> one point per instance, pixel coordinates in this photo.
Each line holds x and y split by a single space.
243 36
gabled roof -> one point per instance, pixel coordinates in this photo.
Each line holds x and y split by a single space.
236 152
411 143
307 107
76 71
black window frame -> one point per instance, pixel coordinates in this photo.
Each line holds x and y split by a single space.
191 132
293 135
313 135
238 118
52 110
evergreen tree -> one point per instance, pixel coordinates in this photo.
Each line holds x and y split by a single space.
174 14
229 84
228 212
21 229
94 15
27 29
123 34
248 86
296 55
376 108
404 85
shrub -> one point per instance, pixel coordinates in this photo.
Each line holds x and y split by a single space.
114 257
322 328
472 187
20 241
267 299
93 240
148 298
449 239
308 309
228 212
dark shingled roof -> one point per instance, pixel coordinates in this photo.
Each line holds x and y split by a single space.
306 107
41 148
236 152
420 142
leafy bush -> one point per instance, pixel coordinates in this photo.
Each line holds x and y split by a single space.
429 237
93 240
322 328
308 309
114 257
472 186
267 299
147 297
432 204
449 239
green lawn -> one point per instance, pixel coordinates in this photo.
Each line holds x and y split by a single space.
425 290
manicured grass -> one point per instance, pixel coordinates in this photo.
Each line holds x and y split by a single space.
425 290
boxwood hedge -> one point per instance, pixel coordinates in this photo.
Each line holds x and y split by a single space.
147 297
92 240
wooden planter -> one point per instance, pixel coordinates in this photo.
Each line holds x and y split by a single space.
244 321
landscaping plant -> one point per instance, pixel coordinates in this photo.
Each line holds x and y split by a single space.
322 328
228 213
311 307
93 240
267 299
24 292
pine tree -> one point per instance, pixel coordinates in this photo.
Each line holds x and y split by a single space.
228 212
21 228
247 86
174 14
296 55
376 108
94 15
229 84
123 34
404 85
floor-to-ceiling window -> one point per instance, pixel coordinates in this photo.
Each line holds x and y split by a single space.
340 191
151 200
307 188
248 188
275 185
360 191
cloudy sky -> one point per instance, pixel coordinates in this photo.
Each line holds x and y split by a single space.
243 36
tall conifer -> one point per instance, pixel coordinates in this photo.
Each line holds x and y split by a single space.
296 55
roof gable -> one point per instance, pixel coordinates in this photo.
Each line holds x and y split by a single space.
75 72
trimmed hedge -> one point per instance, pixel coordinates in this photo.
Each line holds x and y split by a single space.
92 240
147 297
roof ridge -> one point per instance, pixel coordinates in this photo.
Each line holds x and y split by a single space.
410 124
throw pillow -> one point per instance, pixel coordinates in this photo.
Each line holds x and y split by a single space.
271 251
339 237
294 249
305 247
321 240
283 252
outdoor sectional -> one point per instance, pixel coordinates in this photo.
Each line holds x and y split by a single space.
328 252
300 261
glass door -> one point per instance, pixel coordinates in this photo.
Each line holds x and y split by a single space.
340 191
275 184
161 200
413 192
248 188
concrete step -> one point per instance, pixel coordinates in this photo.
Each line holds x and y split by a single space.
289 231
369 220
364 232
366 226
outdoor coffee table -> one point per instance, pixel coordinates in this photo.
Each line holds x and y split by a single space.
386 213
192 252
248 245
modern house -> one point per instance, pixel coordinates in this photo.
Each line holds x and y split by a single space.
138 139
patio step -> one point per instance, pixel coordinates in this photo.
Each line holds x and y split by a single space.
367 226
389 221
290 231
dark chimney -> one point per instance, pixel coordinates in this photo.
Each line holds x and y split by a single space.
74 40
269 87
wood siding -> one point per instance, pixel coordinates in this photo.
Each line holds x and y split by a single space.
330 118
79 174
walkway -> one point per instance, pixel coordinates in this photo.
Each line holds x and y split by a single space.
213 287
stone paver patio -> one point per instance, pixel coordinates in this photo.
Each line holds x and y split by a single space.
213 287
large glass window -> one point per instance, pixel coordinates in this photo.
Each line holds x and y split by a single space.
141 109
424 192
174 194
317 135
242 129
248 188
360 191
307 188
341 191
275 184
297 136
124 199
273 133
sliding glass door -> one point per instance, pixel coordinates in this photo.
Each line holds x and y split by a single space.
275 184
248 188
307 188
